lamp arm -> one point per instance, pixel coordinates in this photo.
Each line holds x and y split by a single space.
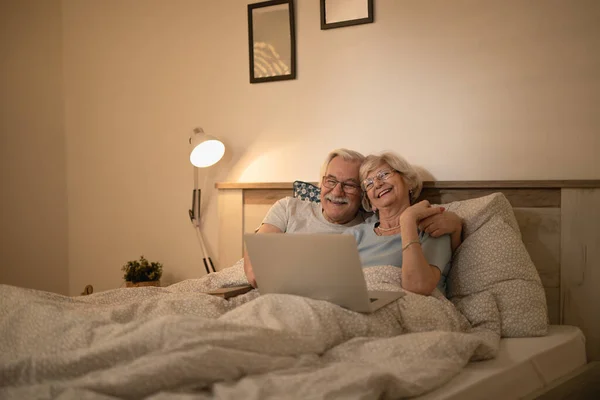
191 210
196 201
205 256
195 214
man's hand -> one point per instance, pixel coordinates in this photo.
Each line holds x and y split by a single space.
248 270
264 228
446 223
441 224
419 212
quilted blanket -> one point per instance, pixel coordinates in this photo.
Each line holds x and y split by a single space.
178 342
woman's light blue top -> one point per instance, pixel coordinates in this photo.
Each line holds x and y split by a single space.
387 250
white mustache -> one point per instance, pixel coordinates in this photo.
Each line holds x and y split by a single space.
336 199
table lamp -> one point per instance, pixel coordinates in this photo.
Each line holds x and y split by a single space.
207 150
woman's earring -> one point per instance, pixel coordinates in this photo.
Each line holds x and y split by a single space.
410 194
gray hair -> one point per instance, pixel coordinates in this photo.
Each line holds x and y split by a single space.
399 164
345 154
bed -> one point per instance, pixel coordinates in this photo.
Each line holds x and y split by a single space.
557 221
179 342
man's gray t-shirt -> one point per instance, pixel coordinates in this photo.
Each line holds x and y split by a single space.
293 215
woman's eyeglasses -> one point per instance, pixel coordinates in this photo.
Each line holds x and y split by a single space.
380 176
348 187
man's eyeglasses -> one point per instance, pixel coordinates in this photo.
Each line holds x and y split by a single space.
348 187
380 176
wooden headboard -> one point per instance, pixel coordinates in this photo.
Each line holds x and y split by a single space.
559 222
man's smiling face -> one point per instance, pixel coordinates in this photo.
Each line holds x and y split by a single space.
339 206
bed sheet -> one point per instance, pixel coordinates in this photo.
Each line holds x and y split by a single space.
522 366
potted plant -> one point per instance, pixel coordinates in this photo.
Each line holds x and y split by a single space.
142 273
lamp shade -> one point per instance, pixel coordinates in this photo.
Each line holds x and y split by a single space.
206 149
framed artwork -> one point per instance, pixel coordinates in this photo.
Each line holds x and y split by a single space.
272 41
340 13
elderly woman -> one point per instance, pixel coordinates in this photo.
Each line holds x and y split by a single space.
402 234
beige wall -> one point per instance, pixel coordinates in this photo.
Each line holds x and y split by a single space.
33 211
467 89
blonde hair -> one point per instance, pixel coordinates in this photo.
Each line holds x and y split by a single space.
345 154
400 165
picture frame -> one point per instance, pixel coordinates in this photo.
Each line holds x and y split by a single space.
341 13
272 41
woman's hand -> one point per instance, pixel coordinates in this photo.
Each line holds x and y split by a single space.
418 276
419 212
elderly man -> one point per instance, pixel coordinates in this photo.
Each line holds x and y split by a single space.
339 209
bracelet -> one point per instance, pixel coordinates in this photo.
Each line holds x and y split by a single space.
409 243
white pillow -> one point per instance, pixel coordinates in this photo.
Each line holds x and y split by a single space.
493 258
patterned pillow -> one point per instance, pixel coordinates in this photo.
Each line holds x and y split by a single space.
307 191
493 258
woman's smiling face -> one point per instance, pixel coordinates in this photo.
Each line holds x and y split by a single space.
387 187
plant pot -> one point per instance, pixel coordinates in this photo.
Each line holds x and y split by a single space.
141 284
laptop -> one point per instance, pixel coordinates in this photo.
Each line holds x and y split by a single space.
318 266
